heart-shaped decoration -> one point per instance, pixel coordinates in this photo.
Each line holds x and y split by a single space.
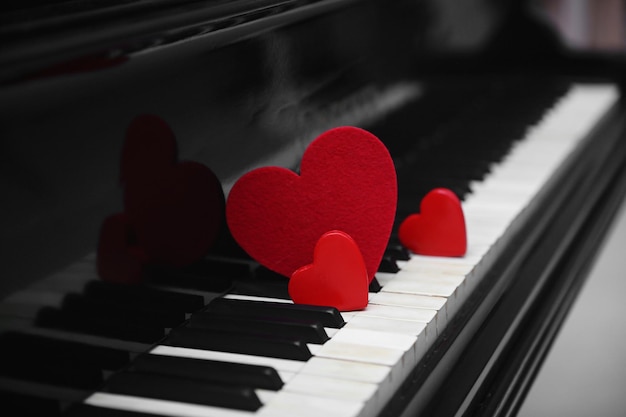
439 228
175 208
118 259
336 278
347 182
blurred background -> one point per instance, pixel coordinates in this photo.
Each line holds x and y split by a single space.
585 372
588 24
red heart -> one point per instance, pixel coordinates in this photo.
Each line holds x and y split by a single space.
347 182
439 229
336 278
118 260
175 208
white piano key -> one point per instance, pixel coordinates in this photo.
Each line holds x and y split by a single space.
416 283
375 338
350 370
289 404
408 300
420 315
327 387
381 324
161 407
440 265
255 298
361 353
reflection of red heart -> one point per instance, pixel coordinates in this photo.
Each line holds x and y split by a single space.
336 278
175 209
347 182
176 217
439 229
118 260
149 147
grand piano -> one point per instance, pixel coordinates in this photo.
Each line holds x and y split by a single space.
479 97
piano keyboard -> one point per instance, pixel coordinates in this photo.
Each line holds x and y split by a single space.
347 364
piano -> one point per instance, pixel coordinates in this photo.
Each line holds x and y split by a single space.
479 97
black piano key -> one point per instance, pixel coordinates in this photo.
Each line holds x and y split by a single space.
206 275
307 331
183 390
28 405
143 297
54 371
263 283
259 345
388 264
57 362
255 376
14 344
327 316
51 317
397 252
77 304
86 410
374 286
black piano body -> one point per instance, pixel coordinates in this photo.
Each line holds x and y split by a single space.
250 83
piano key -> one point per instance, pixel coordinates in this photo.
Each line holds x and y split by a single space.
308 331
77 304
288 404
183 390
70 364
245 297
17 344
85 410
328 316
328 387
160 407
261 345
146 298
29 405
283 366
229 373
210 275
115 328
407 300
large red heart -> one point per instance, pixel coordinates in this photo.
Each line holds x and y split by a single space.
336 278
439 228
347 182
175 208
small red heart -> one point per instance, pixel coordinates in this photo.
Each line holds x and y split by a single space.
118 259
347 182
439 228
336 278
175 208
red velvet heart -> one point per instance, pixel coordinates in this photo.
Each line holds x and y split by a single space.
439 228
175 208
336 278
347 182
118 260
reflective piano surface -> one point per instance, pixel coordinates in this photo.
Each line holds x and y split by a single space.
245 84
